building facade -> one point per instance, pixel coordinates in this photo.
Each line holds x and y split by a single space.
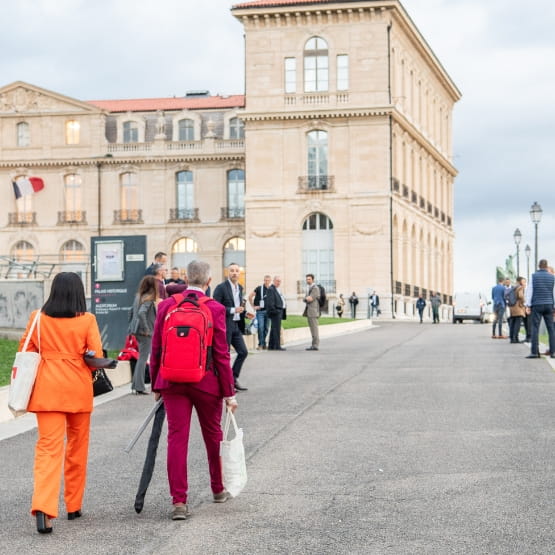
337 161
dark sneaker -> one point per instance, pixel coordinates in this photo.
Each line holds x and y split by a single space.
180 512
221 497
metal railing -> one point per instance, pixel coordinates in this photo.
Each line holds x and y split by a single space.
183 215
308 183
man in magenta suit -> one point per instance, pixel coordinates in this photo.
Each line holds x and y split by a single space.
205 396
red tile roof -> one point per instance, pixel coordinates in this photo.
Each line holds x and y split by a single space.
153 104
277 3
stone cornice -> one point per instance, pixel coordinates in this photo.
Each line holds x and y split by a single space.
119 161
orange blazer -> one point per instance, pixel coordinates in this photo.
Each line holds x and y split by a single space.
64 381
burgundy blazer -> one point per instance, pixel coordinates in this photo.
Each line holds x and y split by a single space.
220 385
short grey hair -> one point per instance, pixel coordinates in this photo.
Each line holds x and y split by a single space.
198 273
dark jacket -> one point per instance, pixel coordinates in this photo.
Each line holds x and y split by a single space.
224 295
273 301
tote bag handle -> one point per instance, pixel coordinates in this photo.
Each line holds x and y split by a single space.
230 418
36 322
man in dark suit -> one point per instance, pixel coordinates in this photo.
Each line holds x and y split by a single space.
230 294
274 308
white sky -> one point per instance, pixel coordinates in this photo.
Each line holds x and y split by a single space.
500 53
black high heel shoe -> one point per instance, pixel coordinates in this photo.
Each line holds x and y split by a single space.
73 515
41 523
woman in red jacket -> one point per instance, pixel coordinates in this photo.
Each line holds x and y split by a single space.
62 398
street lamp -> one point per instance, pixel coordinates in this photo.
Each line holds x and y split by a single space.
527 251
517 236
536 215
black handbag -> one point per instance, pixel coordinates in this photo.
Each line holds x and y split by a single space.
101 382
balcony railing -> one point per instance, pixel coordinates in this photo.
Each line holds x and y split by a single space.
72 217
22 218
128 217
229 213
308 183
183 215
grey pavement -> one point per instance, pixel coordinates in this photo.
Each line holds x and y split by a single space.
405 438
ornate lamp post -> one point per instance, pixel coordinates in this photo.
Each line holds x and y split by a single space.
536 215
517 236
527 251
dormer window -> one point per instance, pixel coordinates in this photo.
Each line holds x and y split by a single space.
130 132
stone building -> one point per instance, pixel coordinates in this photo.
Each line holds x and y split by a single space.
336 161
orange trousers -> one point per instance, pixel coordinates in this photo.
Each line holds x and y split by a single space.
53 428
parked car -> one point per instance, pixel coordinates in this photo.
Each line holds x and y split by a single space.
470 305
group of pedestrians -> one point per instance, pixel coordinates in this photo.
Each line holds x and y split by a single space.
528 304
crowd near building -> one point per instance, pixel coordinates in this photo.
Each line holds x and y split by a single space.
336 161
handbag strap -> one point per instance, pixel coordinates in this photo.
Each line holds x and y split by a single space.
36 322
230 417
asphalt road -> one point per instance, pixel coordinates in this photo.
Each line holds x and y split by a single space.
405 438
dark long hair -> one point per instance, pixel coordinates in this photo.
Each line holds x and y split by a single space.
67 296
148 289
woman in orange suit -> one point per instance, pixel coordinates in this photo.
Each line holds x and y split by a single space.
62 398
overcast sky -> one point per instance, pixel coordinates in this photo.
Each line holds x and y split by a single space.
500 54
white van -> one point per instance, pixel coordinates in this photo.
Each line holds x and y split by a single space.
470 305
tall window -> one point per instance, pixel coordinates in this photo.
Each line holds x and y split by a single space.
318 249
24 205
186 130
130 132
316 65
185 202
290 75
129 195
22 254
184 250
73 197
234 251
236 193
23 134
236 129
317 159
72 132
342 72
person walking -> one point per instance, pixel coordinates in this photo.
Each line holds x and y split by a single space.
205 396
62 398
312 311
142 325
498 300
229 293
353 301
518 310
435 301
274 307
374 304
539 303
420 306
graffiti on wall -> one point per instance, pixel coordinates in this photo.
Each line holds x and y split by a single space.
17 300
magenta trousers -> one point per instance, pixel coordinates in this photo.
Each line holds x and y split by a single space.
179 402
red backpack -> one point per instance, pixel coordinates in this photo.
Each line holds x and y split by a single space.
186 339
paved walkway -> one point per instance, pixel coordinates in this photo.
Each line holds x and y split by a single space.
405 438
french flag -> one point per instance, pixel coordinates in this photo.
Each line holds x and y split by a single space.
27 186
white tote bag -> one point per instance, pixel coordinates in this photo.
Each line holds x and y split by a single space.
24 372
232 451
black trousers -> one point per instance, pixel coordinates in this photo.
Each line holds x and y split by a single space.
275 330
240 348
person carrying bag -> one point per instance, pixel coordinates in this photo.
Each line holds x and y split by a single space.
62 397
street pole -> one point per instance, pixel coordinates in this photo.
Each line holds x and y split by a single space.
536 215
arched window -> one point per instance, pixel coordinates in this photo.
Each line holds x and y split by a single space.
236 194
317 157
130 132
185 202
184 250
74 258
234 251
22 257
23 134
72 132
316 65
186 130
318 249
236 128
